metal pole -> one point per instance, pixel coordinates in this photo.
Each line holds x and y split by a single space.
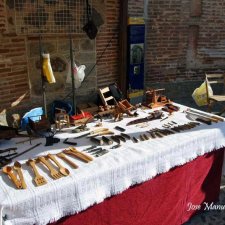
42 78
72 74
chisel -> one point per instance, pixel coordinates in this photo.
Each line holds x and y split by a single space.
107 140
97 141
125 136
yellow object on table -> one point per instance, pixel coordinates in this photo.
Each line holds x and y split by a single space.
47 69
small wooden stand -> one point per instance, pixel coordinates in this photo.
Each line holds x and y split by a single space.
154 99
62 120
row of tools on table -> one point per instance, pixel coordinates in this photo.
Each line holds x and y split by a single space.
15 173
169 128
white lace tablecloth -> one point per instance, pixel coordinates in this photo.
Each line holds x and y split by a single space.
107 175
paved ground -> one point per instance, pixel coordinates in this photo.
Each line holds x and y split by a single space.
212 217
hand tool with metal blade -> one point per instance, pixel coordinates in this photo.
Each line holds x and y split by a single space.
121 138
158 134
101 133
142 138
125 136
119 128
97 141
89 148
116 139
134 139
94 150
145 137
5 161
7 150
69 142
107 140
101 153
204 120
115 146
92 132
216 117
152 134
153 116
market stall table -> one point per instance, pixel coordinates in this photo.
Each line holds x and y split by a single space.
117 171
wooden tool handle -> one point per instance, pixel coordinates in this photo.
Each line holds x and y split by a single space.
45 162
105 132
69 152
17 167
62 156
52 157
31 163
99 130
81 153
8 170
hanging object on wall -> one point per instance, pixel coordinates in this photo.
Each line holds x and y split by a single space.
78 73
136 39
47 68
51 16
90 28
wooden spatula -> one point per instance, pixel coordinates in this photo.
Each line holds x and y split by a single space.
38 179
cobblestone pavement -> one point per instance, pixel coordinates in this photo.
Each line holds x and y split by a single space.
212 217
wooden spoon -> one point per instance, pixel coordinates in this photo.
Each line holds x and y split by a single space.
63 157
64 171
18 168
9 171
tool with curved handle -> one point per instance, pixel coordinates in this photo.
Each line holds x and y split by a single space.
53 172
38 179
18 168
63 157
64 171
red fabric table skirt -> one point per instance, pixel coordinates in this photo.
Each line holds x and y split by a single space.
162 200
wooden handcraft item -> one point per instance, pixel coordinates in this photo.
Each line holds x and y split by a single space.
9 171
155 99
38 179
62 120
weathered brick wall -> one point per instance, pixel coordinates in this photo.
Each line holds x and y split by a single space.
2 17
107 68
185 39
14 87
136 8
20 77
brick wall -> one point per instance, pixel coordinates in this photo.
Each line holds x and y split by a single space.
18 57
2 17
14 87
107 68
136 8
184 38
